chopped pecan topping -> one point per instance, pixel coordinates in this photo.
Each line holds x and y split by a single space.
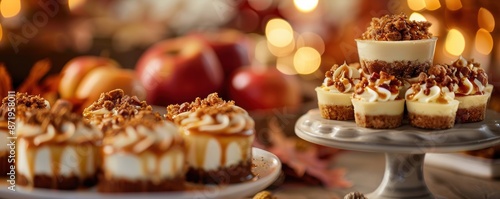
212 104
396 28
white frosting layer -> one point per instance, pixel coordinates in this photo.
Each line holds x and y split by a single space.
331 98
70 132
234 122
377 93
145 166
207 152
395 107
389 51
436 93
348 76
141 137
43 159
433 109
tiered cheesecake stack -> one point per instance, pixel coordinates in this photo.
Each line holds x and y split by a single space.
397 79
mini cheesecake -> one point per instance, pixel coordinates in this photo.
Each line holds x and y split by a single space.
146 154
403 50
431 102
334 95
218 137
377 103
113 109
472 93
56 149
22 101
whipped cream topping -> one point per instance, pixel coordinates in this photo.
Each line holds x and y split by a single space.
435 87
379 87
138 137
341 79
70 131
471 78
233 120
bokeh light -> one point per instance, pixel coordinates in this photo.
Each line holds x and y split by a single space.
432 4
455 42
484 42
73 4
417 17
486 20
10 8
453 4
305 5
416 5
306 60
312 40
279 32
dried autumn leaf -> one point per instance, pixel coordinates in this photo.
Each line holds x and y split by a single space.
5 81
304 158
30 84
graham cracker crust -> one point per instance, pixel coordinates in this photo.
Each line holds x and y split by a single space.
431 122
379 121
234 174
336 112
400 69
472 114
57 182
124 185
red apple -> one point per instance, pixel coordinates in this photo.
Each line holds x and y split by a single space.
231 48
257 88
76 69
179 70
103 79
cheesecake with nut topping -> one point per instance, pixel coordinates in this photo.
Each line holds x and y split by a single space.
397 45
218 137
56 149
377 103
20 101
431 101
113 109
472 92
334 94
146 154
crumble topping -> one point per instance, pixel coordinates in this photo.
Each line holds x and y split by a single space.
471 78
396 28
435 85
341 78
212 104
117 100
378 87
24 103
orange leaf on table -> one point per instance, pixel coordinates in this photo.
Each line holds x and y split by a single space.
5 82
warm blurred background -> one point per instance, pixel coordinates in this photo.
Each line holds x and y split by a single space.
301 38
207 46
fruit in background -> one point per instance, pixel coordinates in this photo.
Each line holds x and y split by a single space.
231 48
84 78
264 89
76 69
179 70
103 79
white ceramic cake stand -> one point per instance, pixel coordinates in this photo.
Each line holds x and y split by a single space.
404 147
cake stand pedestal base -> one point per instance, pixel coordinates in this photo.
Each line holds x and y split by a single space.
403 178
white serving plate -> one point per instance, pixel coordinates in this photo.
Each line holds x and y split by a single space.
267 168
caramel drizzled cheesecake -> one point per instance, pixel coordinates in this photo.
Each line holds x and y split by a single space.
218 136
431 101
56 149
472 92
396 45
377 103
20 101
113 109
334 94
146 154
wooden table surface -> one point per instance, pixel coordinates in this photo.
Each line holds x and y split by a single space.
365 171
